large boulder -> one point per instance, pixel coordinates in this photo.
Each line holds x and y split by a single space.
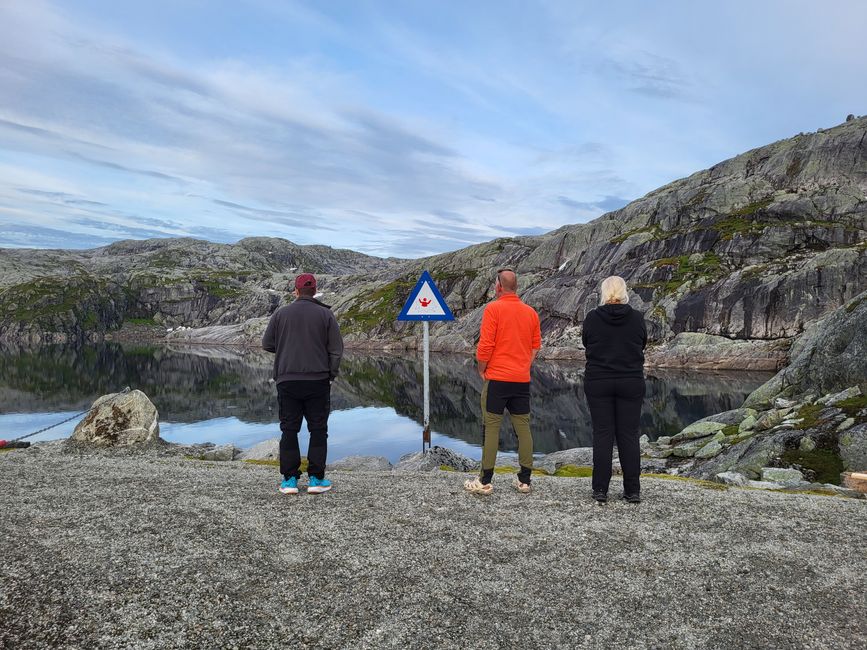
580 456
120 420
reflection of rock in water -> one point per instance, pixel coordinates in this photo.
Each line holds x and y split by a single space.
193 384
560 416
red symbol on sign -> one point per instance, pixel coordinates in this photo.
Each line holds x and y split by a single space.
424 301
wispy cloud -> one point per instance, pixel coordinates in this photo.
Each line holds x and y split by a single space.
401 131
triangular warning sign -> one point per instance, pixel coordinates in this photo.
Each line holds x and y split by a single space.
425 302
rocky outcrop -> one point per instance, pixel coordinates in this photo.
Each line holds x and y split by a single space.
119 420
811 417
830 356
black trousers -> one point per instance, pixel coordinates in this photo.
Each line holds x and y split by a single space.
615 409
310 399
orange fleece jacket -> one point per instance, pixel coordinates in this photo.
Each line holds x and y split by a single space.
510 332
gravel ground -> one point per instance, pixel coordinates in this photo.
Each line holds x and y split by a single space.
156 552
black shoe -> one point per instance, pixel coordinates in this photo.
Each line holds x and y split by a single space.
632 498
600 497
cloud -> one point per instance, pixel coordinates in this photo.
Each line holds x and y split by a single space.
346 127
608 204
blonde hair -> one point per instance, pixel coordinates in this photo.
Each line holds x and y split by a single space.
613 289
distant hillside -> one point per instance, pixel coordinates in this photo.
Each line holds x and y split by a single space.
752 249
59 295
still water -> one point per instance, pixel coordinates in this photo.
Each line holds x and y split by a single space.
224 395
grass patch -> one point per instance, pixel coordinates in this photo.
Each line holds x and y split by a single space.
730 430
825 464
752 208
653 229
514 470
447 468
809 414
376 308
574 471
145 322
710 266
852 405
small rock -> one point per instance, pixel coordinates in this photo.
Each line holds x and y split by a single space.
783 475
853 391
783 403
769 419
764 485
845 424
709 450
732 478
663 440
221 453
653 465
748 424
807 444
698 430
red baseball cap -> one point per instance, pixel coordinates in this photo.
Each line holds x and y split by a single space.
305 280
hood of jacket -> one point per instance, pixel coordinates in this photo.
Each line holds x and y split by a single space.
614 314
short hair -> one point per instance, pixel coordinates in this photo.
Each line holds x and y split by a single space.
308 292
613 289
508 279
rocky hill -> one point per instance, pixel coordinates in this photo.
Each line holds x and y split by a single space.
728 264
63 295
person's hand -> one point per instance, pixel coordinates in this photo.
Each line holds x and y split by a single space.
481 373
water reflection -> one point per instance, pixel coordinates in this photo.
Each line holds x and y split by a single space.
205 391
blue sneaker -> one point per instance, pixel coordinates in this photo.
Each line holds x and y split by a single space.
289 486
318 485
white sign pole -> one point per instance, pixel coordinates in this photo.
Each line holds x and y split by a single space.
426 434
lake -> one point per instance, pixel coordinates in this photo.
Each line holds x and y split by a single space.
224 395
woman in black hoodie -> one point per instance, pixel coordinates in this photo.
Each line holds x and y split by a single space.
614 337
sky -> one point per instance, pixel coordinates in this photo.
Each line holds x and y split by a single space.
392 128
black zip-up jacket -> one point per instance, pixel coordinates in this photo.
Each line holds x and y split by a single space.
614 338
306 339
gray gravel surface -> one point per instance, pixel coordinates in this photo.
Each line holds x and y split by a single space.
159 552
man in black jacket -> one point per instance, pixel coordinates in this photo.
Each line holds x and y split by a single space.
306 339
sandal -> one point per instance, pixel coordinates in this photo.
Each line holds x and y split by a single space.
523 488
477 487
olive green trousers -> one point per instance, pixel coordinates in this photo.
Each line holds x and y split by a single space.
493 420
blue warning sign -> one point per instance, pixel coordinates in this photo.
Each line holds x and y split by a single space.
425 302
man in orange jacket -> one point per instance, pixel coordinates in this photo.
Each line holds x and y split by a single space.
509 341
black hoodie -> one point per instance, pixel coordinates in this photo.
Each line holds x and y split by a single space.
614 338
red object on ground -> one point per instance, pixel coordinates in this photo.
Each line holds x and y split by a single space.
2 443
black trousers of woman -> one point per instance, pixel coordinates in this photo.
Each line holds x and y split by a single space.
615 409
